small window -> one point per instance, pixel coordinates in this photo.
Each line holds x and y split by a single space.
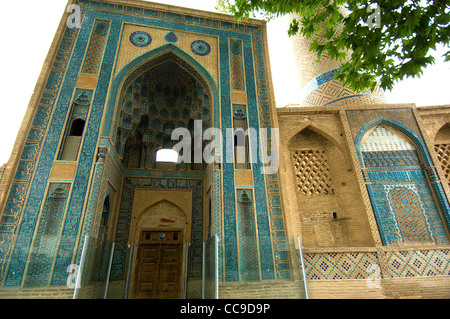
77 127
167 155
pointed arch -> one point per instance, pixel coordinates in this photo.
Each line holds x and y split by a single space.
166 202
314 126
442 134
163 214
146 61
391 172
323 132
418 142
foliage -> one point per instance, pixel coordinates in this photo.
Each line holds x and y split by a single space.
370 53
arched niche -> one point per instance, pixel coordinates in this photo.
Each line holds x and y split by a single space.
443 135
328 202
153 209
393 159
162 215
154 94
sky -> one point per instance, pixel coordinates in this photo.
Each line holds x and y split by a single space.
26 40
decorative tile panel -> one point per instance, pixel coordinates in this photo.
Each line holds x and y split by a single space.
339 265
91 50
237 65
409 211
248 248
401 196
96 47
43 251
385 264
420 263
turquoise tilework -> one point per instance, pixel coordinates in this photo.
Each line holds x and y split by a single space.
123 225
77 111
68 243
96 47
388 171
31 178
43 251
248 249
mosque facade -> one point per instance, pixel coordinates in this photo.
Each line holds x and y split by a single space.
343 196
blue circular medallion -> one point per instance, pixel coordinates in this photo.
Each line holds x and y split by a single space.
200 47
140 38
171 37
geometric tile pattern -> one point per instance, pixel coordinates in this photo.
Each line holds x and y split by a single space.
321 79
96 45
383 139
237 66
43 252
392 264
334 93
345 265
410 215
391 194
316 77
248 249
77 46
391 158
422 263
399 191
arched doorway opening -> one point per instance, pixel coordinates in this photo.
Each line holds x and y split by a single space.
161 229
165 92
152 104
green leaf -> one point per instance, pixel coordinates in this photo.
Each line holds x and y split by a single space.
397 50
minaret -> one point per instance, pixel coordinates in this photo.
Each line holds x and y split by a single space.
316 79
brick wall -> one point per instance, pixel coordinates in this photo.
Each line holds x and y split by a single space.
398 288
407 288
36 293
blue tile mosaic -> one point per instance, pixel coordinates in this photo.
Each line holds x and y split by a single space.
43 251
388 172
28 189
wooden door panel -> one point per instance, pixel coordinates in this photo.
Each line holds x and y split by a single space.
169 271
158 270
148 272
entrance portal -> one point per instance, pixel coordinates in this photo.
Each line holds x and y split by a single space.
159 265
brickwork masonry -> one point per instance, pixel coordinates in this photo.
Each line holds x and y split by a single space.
392 288
36 293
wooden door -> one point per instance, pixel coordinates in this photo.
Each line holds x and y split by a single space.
159 265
